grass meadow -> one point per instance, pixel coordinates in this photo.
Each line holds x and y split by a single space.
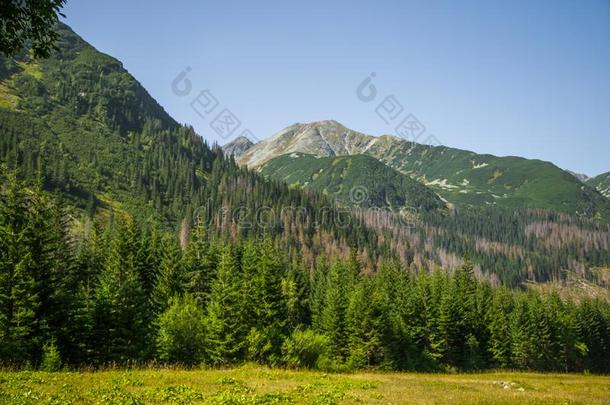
252 384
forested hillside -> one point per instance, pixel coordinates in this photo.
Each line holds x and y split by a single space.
83 127
519 219
125 293
359 180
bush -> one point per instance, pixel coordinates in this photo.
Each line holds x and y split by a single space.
304 348
181 332
51 359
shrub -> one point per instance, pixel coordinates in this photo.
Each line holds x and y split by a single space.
181 335
304 348
51 359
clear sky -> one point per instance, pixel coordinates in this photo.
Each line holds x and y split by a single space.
526 78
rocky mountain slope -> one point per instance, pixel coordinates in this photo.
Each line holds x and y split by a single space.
237 147
462 178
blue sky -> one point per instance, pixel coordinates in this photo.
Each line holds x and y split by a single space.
526 78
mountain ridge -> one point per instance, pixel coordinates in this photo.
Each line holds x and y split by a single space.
359 181
462 177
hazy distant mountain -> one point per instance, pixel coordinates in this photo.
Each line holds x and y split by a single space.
461 177
237 147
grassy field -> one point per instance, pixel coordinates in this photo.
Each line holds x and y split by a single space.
258 385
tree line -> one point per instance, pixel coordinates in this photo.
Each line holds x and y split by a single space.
83 292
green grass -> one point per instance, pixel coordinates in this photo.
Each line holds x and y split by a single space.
258 385
7 99
33 69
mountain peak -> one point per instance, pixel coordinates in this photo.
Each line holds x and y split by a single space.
321 138
238 146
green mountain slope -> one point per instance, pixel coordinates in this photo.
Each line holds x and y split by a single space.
461 177
83 127
358 180
467 178
601 183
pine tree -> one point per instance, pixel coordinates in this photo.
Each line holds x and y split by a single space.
200 259
170 281
497 320
333 318
266 301
224 321
120 331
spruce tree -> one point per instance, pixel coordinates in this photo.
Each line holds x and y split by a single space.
296 293
333 317
170 280
497 320
365 325
266 301
120 331
199 261
317 295
224 321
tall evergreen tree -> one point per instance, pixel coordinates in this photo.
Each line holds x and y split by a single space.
224 321
365 325
296 294
499 329
120 330
333 317
200 259
266 300
171 278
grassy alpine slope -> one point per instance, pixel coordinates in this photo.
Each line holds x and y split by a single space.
462 177
343 176
601 183
257 385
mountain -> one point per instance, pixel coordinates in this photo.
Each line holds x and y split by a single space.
463 178
358 181
601 183
579 176
89 131
81 126
237 147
